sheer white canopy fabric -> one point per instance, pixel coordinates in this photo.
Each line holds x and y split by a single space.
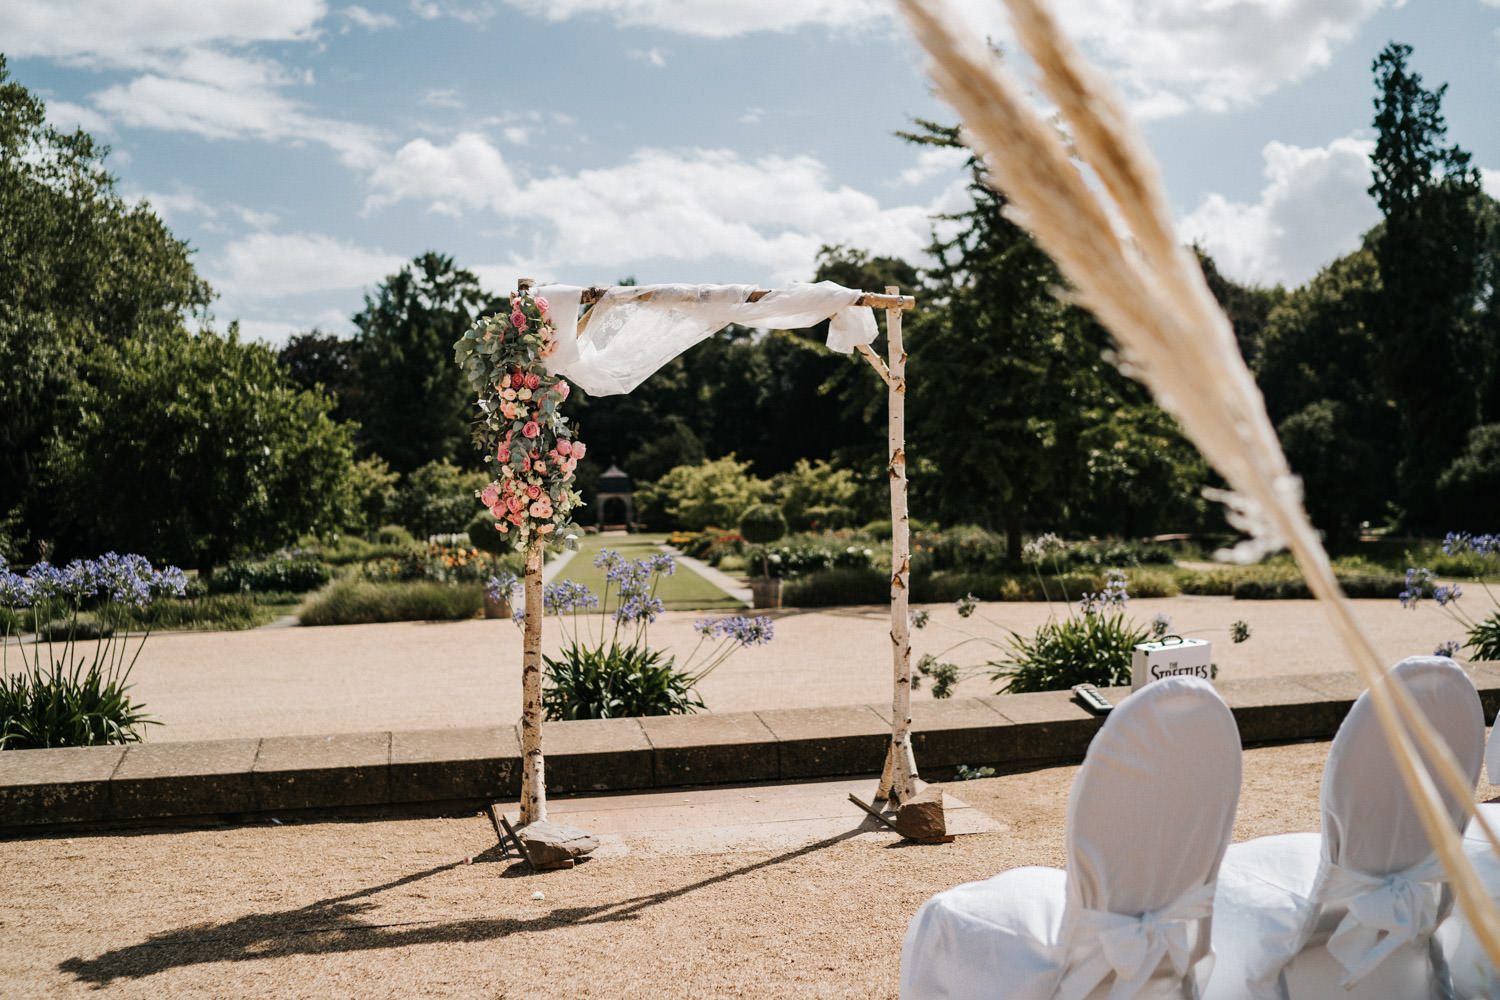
1149 818
1350 913
634 330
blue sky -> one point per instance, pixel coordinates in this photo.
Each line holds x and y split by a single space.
307 149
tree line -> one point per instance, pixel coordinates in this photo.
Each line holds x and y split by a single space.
127 422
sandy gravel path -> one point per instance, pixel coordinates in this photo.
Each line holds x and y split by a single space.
388 909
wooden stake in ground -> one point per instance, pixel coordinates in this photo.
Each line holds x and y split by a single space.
898 778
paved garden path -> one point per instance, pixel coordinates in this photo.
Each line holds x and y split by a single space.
420 675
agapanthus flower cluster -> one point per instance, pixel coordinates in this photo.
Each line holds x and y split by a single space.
1042 546
1483 633
500 586
1459 542
129 580
628 607
521 429
1113 595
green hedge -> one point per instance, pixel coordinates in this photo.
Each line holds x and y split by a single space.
354 602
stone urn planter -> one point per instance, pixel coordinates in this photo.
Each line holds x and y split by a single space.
765 592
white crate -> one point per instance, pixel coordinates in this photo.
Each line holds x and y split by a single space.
1170 657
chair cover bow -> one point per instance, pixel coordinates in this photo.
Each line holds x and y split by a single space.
1384 913
1132 947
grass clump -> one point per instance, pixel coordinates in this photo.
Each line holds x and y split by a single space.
357 602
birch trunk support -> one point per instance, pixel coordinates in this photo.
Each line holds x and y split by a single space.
533 766
898 779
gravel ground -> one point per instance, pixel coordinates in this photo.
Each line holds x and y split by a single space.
389 908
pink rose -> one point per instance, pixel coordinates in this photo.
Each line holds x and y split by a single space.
533 491
531 429
579 448
508 410
503 454
564 446
518 320
546 529
515 504
570 465
541 304
499 509
539 466
501 527
517 379
562 388
488 495
540 510
533 380
549 349
517 519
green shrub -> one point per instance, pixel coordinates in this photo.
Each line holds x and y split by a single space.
227 612
1080 649
837 587
615 683
964 547
394 535
68 706
352 602
1484 637
694 497
1117 554
484 537
299 574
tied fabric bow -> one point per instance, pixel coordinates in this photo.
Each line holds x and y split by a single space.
1131 947
1385 912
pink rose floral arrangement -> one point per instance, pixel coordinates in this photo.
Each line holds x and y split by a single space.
520 427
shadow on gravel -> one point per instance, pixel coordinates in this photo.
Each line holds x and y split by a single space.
335 925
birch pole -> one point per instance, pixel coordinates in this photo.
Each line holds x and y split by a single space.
898 779
533 765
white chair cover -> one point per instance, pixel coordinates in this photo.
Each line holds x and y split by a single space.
635 329
1149 817
1473 973
1350 913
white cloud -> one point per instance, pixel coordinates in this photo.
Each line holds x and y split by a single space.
268 266
179 204
426 11
934 161
276 332
65 116
367 20
752 116
1490 179
125 34
773 212
1167 56
241 104
517 135
467 174
716 18
1313 209
442 98
654 57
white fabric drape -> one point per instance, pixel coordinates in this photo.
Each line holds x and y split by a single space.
1149 817
632 331
1304 915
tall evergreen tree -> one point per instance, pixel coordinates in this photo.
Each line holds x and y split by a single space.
414 406
1435 352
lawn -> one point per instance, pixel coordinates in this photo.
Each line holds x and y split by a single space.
684 590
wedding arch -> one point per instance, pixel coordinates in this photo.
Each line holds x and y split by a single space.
626 334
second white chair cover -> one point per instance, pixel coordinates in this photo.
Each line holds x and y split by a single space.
1149 817
1350 913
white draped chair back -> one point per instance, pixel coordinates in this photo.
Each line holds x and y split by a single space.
1149 817
1351 913
1473 973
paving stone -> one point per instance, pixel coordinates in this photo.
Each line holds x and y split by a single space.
921 816
710 748
1276 709
825 742
211 777
1049 725
546 843
319 772
596 755
61 785
953 731
437 765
